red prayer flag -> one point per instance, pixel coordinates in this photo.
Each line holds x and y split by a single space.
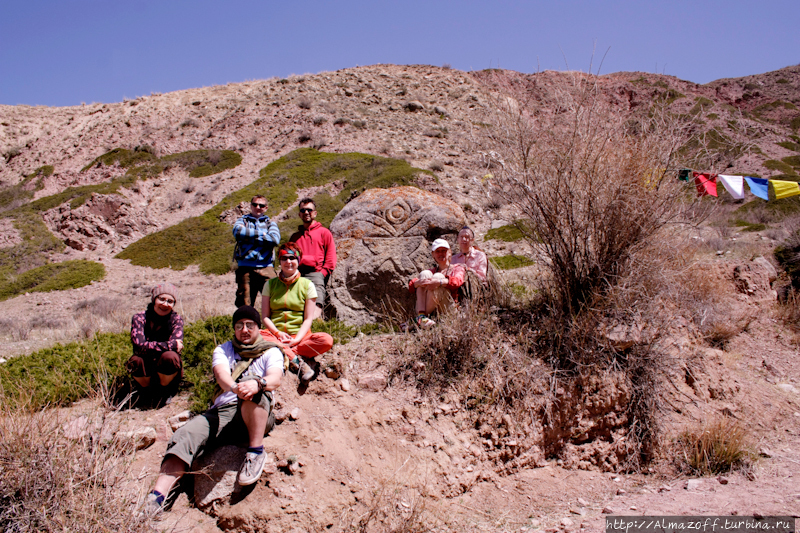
706 183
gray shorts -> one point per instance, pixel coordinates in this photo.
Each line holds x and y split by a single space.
219 425
319 283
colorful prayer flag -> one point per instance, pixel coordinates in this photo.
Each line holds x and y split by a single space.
784 189
758 186
734 185
706 183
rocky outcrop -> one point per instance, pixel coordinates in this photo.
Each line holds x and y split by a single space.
107 221
755 279
383 239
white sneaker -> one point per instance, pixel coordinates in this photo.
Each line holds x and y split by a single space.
251 469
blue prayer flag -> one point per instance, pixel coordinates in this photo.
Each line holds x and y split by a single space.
758 186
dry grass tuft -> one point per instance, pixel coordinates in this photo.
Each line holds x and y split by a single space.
718 446
64 477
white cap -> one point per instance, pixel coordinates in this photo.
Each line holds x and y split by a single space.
439 243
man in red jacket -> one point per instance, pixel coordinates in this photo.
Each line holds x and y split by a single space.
319 251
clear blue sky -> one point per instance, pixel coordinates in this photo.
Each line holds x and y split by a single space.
64 52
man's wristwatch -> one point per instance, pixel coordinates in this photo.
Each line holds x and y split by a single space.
262 383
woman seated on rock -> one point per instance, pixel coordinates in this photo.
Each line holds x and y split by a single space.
157 337
437 288
469 256
288 305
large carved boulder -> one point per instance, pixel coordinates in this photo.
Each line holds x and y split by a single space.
382 240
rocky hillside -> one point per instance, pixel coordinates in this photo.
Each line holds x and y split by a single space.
366 449
427 115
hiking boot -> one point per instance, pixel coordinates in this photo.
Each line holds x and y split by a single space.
305 372
251 468
423 322
151 508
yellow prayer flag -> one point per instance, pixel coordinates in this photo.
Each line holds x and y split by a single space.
784 189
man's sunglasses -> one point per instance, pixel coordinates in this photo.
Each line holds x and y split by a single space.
306 210
256 204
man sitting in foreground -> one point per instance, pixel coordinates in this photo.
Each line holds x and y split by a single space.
247 369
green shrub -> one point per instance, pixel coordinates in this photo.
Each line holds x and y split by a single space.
509 233
52 277
206 241
509 262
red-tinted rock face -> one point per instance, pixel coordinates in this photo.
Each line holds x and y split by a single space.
382 240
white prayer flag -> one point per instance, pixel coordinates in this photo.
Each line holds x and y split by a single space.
734 185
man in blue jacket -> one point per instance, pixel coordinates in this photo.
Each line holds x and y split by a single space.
256 235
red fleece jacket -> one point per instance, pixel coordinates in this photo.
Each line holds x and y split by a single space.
319 250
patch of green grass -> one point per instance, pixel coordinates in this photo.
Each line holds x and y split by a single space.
701 103
759 111
123 157
795 123
669 96
509 262
206 241
793 160
508 233
68 372
776 210
202 163
789 145
52 277
712 116
780 166
342 333
749 226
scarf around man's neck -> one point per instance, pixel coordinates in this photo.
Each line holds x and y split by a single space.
248 353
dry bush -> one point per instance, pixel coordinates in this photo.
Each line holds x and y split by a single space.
591 185
55 481
716 447
394 508
460 345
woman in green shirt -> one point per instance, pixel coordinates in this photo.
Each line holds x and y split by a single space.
287 305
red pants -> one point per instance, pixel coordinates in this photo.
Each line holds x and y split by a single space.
312 345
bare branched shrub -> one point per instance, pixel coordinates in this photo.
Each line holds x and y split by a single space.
64 477
393 508
304 102
716 447
592 185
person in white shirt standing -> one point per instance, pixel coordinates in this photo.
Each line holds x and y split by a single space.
247 369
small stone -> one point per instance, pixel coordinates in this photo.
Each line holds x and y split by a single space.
140 439
693 484
633 507
608 510
178 420
374 382
344 384
788 387
583 502
664 488
620 492
579 512
332 373
765 452
566 522
757 515
295 414
722 480
617 479
294 468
